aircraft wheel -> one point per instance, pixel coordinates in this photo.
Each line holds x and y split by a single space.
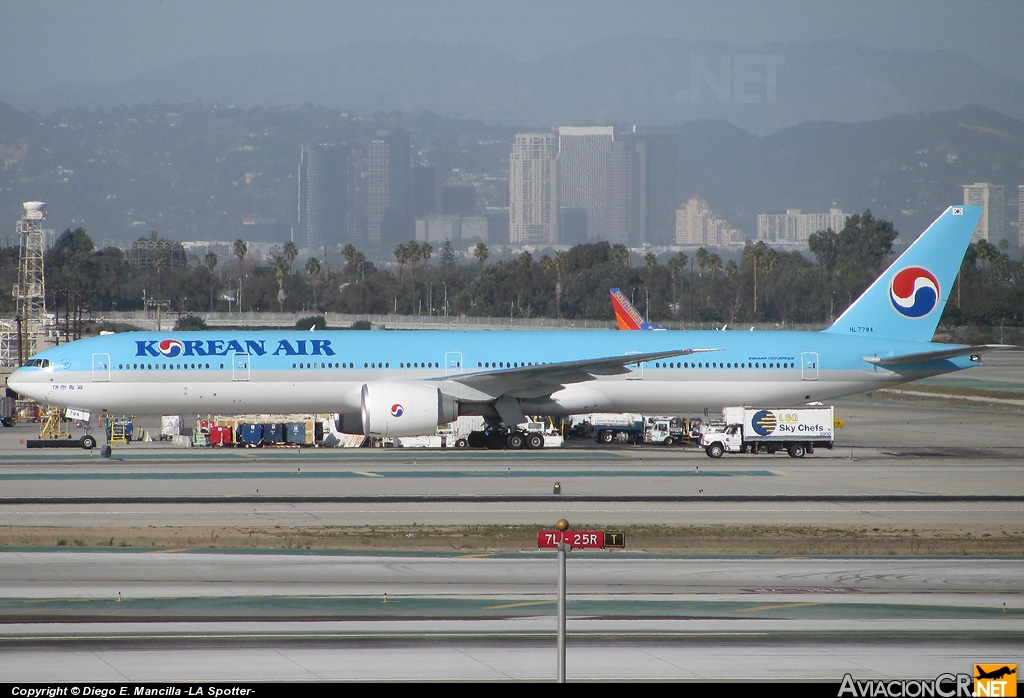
88 442
516 440
476 439
496 442
715 450
796 451
535 441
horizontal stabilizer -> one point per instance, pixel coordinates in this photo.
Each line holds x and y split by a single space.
921 357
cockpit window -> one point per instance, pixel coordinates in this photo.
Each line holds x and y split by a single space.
38 363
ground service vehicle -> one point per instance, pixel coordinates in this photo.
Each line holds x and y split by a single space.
796 430
626 428
666 430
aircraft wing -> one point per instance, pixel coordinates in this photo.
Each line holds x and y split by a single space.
920 357
541 380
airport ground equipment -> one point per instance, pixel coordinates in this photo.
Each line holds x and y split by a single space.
54 433
8 411
624 428
119 429
668 430
795 430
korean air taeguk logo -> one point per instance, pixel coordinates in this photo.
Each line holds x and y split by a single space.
914 292
397 410
170 347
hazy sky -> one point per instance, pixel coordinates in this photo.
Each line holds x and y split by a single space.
46 42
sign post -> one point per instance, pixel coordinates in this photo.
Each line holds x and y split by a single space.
565 540
563 548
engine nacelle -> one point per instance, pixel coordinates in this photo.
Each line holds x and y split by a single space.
405 408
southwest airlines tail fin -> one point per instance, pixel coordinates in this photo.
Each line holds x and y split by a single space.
628 317
907 300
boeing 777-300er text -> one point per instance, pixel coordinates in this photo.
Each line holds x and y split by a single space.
404 383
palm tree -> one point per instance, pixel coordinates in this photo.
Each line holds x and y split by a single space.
210 260
402 255
619 254
762 257
313 268
241 248
160 261
702 258
355 259
676 266
290 252
280 266
481 252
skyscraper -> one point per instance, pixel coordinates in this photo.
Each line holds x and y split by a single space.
626 207
388 175
664 174
1020 216
458 197
583 153
533 193
326 197
990 225
696 224
424 192
794 226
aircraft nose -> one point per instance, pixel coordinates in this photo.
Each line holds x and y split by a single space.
21 382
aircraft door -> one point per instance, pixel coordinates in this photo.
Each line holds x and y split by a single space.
100 367
453 363
809 365
240 366
636 371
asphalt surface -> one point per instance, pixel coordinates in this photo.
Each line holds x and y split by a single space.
209 615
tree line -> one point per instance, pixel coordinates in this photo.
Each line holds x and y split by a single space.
760 284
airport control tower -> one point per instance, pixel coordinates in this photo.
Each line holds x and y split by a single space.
30 290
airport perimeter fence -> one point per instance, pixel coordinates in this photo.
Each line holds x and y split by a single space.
148 321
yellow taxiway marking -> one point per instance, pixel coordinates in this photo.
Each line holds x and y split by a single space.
521 604
172 550
470 557
366 473
775 606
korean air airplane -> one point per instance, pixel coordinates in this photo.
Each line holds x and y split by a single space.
404 383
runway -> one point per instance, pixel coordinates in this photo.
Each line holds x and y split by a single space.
129 616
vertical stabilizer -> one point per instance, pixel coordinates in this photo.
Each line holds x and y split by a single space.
627 316
907 300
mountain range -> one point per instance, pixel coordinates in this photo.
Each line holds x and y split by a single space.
645 80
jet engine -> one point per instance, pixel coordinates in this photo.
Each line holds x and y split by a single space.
404 408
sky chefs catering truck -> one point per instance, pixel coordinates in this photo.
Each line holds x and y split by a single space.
796 430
